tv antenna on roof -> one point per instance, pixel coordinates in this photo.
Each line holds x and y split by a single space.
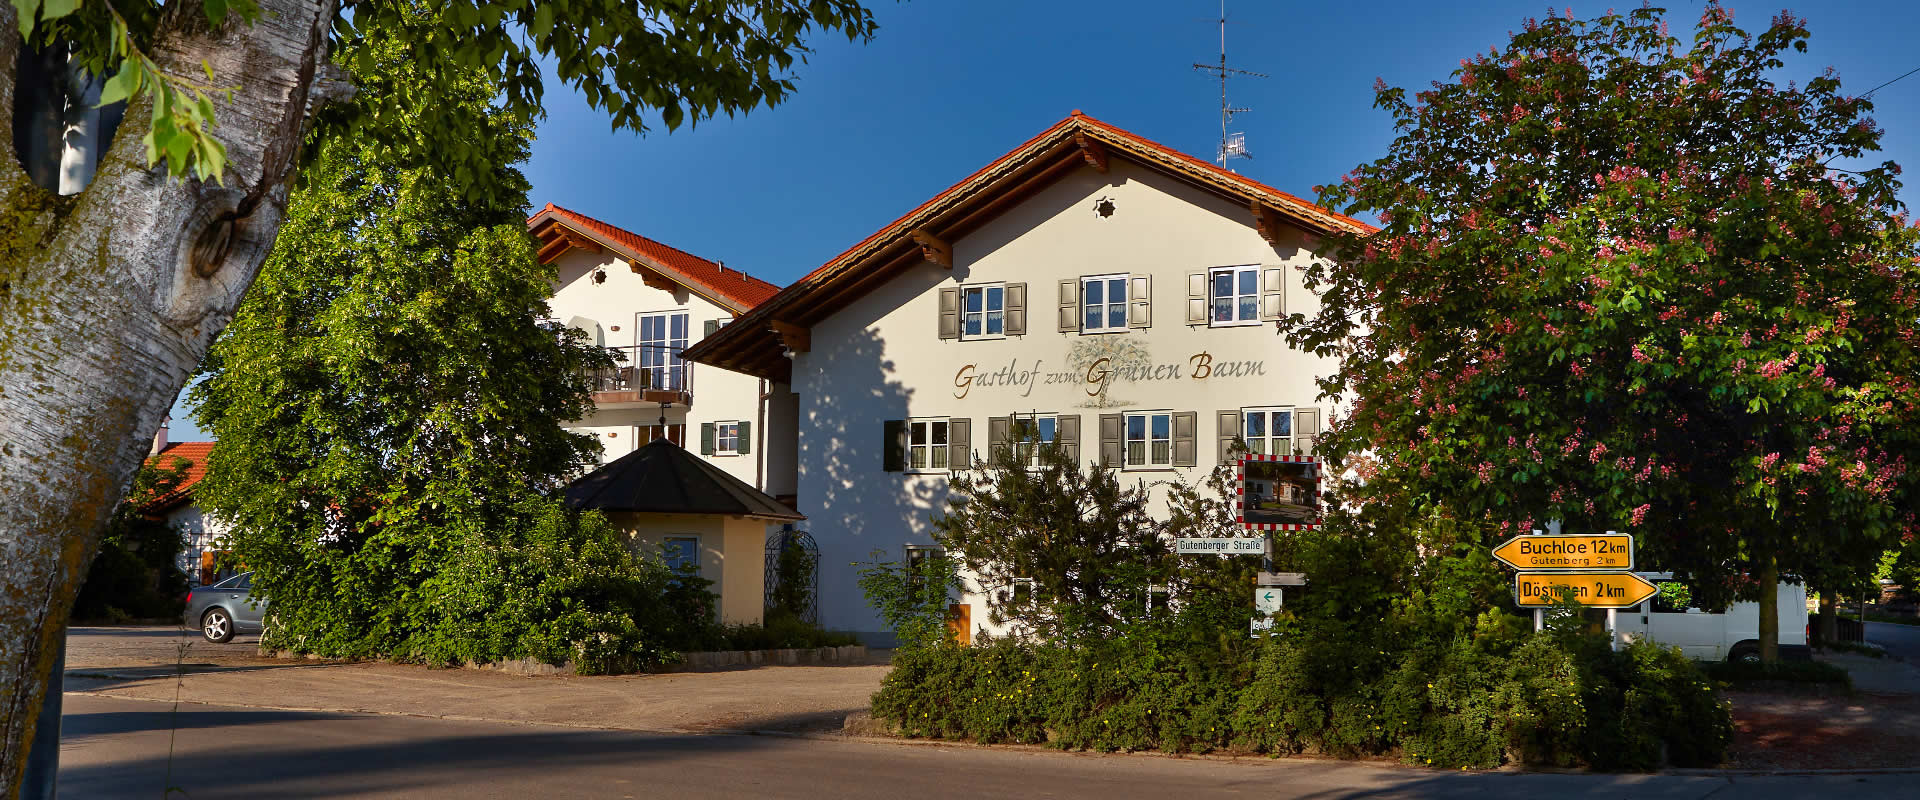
1232 145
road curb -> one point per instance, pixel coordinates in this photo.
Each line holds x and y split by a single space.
894 740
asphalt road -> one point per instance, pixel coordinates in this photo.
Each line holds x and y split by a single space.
1900 640
119 748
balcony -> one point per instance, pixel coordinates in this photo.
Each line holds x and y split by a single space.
638 379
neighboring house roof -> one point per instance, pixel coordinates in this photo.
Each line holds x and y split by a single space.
195 454
754 343
560 230
662 478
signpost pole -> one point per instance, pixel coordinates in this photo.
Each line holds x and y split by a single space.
1539 614
1613 619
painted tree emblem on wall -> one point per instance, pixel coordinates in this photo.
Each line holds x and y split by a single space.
1100 358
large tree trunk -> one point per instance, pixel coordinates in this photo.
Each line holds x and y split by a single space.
1770 610
108 299
1829 618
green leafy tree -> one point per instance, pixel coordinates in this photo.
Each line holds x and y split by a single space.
911 597
388 397
222 94
1059 549
1620 282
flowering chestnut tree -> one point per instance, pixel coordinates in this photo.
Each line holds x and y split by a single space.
1621 282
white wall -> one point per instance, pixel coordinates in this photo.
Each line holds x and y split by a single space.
203 533
718 395
881 358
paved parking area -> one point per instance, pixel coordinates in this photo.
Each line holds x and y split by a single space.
158 663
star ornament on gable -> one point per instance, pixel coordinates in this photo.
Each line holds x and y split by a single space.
1103 207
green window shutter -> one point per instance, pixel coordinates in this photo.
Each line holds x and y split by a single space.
706 438
1306 430
1273 293
950 313
1186 450
893 456
1070 305
1228 429
1016 308
1067 432
746 438
1112 448
960 443
998 431
1140 302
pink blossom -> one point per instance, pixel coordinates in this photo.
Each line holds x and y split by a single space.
1640 514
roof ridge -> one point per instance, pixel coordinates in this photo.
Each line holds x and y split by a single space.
761 287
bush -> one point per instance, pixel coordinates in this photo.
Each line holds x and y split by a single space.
1542 700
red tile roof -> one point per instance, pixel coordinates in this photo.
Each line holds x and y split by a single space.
1077 118
751 346
731 284
195 454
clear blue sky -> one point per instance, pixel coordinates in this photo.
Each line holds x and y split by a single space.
945 87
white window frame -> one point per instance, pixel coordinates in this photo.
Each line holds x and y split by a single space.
666 546
1263 443
1148 440
1010 593
664 360
985 316
722 438
1107 303
1240 299
1029 449
935 460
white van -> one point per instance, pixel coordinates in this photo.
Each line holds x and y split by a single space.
1731 636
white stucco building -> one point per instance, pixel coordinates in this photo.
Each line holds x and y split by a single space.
648 302
1124 295
205 535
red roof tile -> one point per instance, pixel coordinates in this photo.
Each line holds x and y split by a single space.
1079 118
731 284
195 454
753 347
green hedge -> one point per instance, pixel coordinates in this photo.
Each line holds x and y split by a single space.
1477 702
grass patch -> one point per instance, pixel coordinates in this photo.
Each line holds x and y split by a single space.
1734 672
1892 619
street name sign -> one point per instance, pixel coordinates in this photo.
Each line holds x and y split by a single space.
1591 589
1266 600
1234 546
1265 578
1598 551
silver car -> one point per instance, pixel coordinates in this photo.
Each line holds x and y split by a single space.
225 608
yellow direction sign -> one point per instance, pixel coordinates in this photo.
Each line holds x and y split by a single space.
1596 589
1589 551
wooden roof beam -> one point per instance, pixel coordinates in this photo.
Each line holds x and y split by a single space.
578 239
551 249
1092 150
1268 222
933 248
795 338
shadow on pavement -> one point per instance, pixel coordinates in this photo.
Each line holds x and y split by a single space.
304 761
